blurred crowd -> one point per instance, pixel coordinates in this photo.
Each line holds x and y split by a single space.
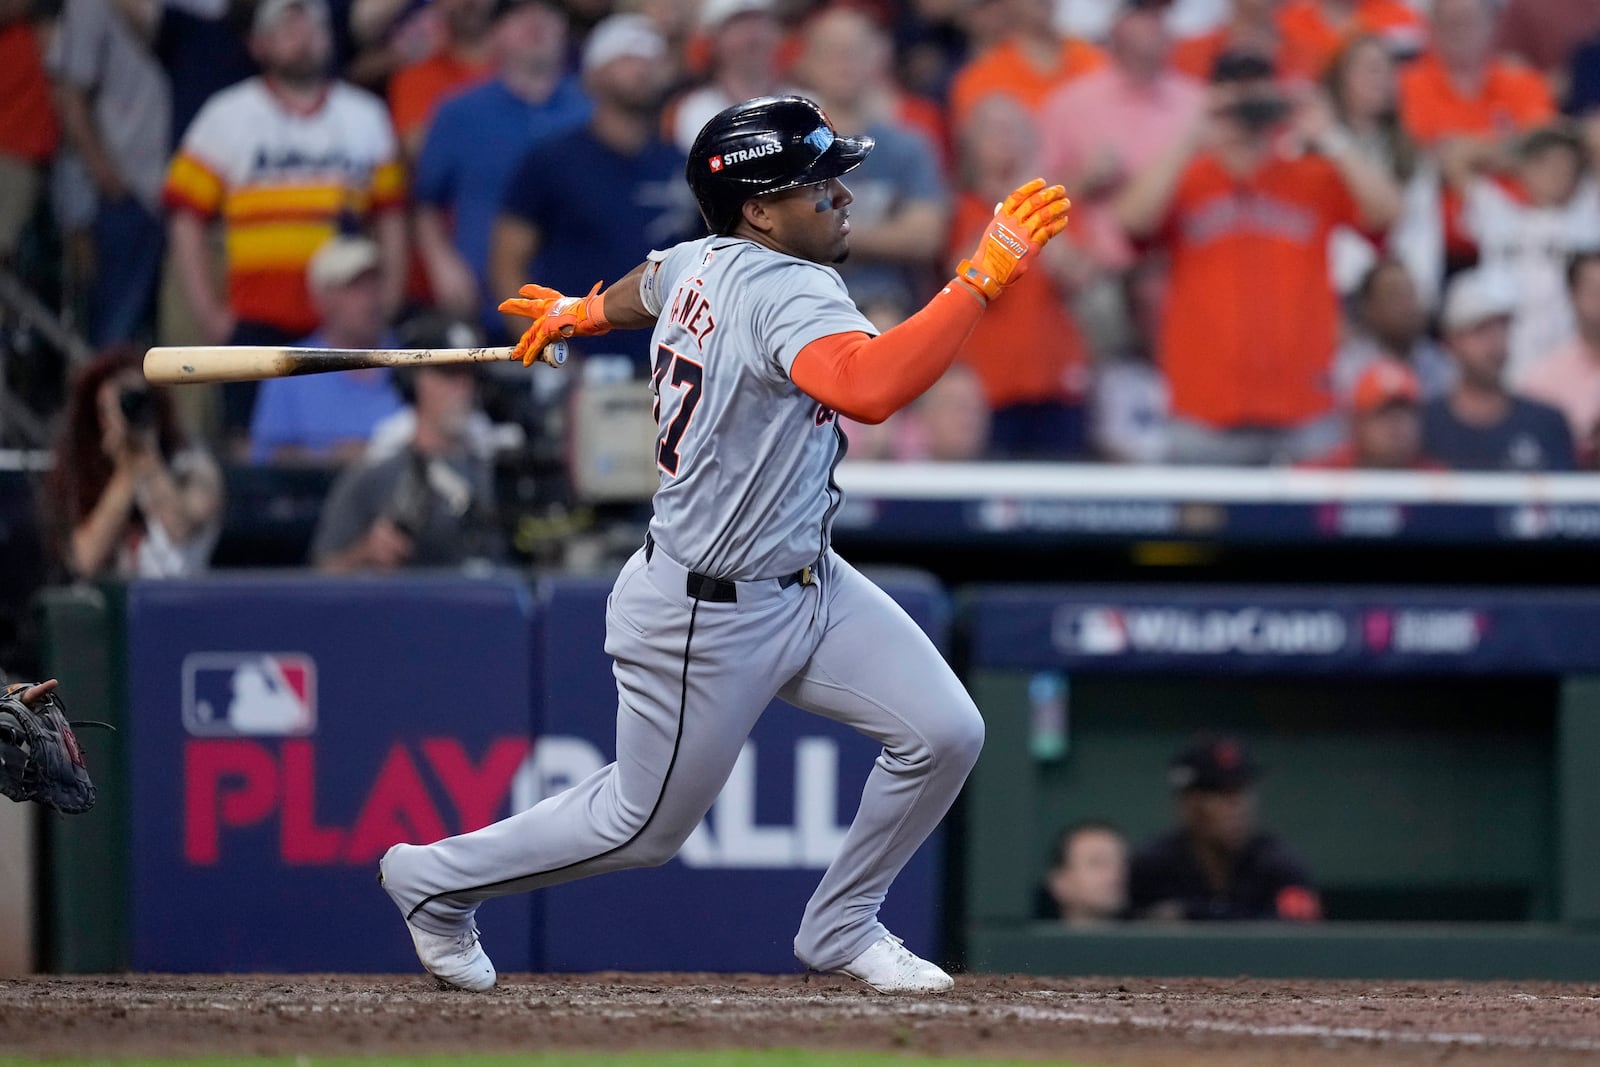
1333 233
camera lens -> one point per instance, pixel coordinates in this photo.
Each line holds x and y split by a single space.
136 406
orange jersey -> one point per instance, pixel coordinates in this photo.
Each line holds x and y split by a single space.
1251 320
1005 69
28 127
283 182
1510 98
1028 349
1308 31
416 90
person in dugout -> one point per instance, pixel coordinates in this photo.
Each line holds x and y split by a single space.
1217 863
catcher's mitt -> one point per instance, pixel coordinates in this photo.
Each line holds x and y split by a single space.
39 754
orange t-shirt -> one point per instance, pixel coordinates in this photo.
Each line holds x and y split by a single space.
1195 56
1251 319
1511 98
1005 69
1306 28
416 90
27 120
1028 348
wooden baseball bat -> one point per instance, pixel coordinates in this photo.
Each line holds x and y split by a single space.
197 364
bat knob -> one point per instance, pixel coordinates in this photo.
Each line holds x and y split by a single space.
556 353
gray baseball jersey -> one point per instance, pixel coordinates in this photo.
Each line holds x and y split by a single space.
746 458
718 615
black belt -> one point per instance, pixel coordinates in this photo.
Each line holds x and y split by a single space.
722 591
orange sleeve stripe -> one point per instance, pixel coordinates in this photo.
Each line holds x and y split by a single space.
870 378
193 185
175 200
388 186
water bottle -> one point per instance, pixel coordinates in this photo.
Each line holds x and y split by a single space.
1047 700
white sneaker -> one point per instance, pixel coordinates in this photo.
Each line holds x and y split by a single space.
889 967
457 960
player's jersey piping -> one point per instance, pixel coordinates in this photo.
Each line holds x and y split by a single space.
677 743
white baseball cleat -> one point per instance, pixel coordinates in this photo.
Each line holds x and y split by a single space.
457 960
889 967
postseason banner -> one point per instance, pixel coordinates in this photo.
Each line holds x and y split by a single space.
284 732
1379 631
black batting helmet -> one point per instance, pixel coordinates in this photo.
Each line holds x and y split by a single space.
761 146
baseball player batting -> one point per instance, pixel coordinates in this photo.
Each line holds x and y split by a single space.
736 596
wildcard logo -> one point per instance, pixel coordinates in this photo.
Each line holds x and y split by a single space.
249 694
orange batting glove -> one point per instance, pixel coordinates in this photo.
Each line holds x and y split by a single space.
554 317
1022 224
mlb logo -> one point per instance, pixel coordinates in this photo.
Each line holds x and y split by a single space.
249 694
716 164
1091 631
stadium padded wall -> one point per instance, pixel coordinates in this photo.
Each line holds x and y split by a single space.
83 911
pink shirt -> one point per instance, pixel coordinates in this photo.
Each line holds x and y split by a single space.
1105 110
1569 379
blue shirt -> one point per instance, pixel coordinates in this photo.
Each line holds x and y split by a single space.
318 411
1532 437
599 212
475 141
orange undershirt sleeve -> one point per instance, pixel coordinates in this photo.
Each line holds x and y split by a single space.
869 378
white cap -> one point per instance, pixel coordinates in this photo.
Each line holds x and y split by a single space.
268 12
1474 297
623 35
340 261
713 13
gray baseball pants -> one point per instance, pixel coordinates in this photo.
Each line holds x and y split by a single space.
693 676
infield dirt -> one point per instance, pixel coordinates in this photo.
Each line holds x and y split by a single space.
1090 1020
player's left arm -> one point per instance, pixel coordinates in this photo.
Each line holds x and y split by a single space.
621 307
870 378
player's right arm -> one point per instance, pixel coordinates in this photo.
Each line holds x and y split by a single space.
870 378
621 307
